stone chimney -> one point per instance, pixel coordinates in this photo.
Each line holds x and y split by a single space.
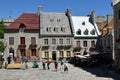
39 10
68 11
109 17
93 16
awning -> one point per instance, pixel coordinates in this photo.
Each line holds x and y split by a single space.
80 56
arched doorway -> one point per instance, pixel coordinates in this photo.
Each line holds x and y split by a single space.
54 55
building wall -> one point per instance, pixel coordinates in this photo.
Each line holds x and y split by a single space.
16 48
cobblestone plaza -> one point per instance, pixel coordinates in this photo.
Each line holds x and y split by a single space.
75 73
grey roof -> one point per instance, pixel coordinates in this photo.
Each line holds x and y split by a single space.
54 20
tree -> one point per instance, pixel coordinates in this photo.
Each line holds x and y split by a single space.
2 47
2 26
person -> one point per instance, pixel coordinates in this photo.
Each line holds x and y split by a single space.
56 65
43 64
65 67
61 65
9 59
22 59
48 63
35 64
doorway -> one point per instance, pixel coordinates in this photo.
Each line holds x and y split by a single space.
54 55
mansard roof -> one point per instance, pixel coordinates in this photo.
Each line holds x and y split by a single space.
31 21
55 20
85 24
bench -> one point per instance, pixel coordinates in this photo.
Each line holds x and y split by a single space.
14 66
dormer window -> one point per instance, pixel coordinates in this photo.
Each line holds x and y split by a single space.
86 32
49 28
56 28
58 20
51 19
78 32
22 28
83 23
63 28
92 32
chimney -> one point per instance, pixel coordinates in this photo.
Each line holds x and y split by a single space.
68 11
39 9
109 17
93 16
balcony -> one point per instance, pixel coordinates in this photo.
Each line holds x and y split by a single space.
22 45
33 45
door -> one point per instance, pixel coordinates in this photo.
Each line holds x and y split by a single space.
54 55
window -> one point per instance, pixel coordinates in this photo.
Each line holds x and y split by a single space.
61 41
22 40
68 54
51 19
85 43
33 52
46 54
56 28
92 32
49 29
45 41
78 43
86 32
63 28
78 32
11 40
53 41
83 23
22 28
58 20
33 40
61 54
92 43
119 14
67 41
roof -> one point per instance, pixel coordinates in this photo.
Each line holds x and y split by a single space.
55 20
31 21
82 23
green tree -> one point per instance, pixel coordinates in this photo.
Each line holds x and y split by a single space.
2 26
2 47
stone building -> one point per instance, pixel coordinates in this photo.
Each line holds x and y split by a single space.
56 35
116 9
22 37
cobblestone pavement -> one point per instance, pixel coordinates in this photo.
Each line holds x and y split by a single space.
75 73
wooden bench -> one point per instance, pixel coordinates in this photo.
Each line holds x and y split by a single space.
14 66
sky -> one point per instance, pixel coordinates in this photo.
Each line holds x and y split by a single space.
15 8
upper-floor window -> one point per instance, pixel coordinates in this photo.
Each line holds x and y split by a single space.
92 32
22 28
33 40
56 28
85 43
58 20
63 28
45 41
78 32
53 41
78 43
11 40
49 29
86 32
92 43
61 41
83 23
22 40
68 41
